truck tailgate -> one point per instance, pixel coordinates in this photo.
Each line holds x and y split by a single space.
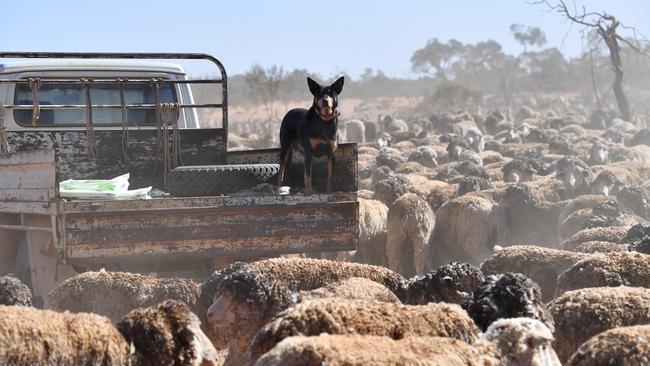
205 227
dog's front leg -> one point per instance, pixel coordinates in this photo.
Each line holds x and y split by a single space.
331 160
307 173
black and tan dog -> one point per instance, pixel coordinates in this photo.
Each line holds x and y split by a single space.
312 131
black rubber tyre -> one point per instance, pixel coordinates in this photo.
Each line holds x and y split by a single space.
212 180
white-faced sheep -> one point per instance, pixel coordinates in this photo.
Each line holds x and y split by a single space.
409 226
358 350
167 334
467 228
451 283
618 346
365 317
611 269
540 264
509 295
14 292
581 314
373 216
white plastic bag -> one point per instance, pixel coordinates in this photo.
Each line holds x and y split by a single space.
94 188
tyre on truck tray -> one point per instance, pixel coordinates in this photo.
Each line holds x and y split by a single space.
212 180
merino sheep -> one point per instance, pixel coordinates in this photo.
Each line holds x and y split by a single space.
409 226
608 234
601 247
371 249
365 317
467 228
451 283
581 314
509 295
362 350
424 155
601 270
618 346
14 292
540 264
246 300
517 342
167 334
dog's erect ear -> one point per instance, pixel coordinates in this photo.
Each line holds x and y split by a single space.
338 85
314 87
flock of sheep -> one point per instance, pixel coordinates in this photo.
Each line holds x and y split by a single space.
484 240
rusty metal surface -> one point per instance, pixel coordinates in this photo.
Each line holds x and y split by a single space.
240 226
345 173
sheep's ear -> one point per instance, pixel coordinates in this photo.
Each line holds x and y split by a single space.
536 340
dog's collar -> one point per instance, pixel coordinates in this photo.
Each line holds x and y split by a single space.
331 117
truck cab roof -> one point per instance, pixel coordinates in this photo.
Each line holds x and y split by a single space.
90 65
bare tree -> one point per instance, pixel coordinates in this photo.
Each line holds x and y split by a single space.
607 27
264 85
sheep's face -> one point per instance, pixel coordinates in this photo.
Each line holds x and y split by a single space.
605 184
526 341
222 311
574 178
200 343
599 154
475 140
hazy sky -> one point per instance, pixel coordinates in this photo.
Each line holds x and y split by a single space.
322 36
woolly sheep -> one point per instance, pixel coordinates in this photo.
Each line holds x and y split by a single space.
618 346
611 269
608 234
583 313
467 228
540 264
365 317
358 350
508 295
373 216
14 292
162 335
355 131
409 226
601 247
451 283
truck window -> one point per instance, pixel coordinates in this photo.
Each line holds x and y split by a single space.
74 94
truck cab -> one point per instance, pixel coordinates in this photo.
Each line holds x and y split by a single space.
98 116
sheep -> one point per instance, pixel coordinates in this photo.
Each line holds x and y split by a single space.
618 346
473 184
371 130
246 299
518 170
14 292
390 189
451 283
508 295
425 156
474 138
365 317
611 269
409 226
355 131
635 198
467 228
608 234
371 249
540 264
162 335
517 342
583 313
601 247
358 350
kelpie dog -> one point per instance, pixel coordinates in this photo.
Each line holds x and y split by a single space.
312 131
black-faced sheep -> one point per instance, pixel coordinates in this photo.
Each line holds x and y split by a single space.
167 334
540 264
509 295
467 228
473 184
611 269
409 226
451 283
581 314
618 346
14 292
365 317
362 350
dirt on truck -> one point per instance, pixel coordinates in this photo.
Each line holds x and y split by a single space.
83 116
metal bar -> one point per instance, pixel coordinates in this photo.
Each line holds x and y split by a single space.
109 80
25 228
128 106
138 55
